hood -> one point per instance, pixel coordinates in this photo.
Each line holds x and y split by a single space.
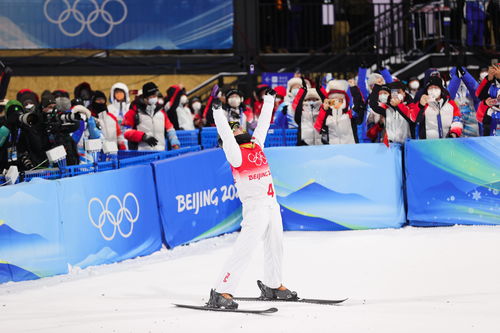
335 91
122 86
80 87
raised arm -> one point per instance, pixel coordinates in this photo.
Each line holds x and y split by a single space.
265 117
229 144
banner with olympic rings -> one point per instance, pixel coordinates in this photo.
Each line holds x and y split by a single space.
48 227
116 24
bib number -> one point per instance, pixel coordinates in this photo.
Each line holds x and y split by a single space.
270 190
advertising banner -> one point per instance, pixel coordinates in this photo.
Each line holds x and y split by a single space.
30 231
197 197
453 181
338 187
116 24
110 216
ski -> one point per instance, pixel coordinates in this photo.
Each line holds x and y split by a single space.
298 300
207 308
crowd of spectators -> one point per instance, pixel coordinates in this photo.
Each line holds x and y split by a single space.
370 107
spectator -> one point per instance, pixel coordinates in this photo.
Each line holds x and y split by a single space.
184 116
437 115
258 101
5 130
148 122
306 114
46 134
174 94
336 119
197 111
462 89
110 127
119 99
398 123
83 91
236 111
488 114
486 88
413 86
28 99
285 114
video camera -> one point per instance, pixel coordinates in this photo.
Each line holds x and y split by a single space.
16 115
56 119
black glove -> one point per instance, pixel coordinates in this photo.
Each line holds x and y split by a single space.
460 71
270 92
304 84
150 140
329 112
216 103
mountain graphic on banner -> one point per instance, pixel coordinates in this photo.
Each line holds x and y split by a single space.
12 37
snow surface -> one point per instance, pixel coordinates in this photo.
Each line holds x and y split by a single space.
406 280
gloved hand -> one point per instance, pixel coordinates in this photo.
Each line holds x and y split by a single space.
270 92
82 110
460 71
215 91
150 140
94 132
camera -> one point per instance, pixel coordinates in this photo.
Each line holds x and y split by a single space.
55 120
16 115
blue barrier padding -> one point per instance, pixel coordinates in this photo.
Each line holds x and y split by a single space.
338 187
188 138
453 181
109 216
82 221
209 137
197 197
134 153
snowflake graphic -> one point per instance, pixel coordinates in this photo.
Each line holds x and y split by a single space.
476 195
495 192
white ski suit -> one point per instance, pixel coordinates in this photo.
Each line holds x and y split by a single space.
261 212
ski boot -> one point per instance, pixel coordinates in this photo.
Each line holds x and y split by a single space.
281 293
218 300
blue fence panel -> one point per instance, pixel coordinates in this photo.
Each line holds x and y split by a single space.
338 187
453 181
209 137
197 197
275 138
291 136
117 24
188 138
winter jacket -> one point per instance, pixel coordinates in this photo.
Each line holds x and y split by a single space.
151 120
340 125
490 118
438 119
306 114
119 109
110 129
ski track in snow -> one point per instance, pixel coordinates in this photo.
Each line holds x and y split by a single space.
397 280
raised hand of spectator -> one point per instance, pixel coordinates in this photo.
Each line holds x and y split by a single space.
326 104
395 101
492 71
424 99
491 102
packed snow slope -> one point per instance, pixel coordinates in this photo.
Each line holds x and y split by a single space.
406 280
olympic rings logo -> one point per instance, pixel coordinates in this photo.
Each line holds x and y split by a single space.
78 16
116 221
258 158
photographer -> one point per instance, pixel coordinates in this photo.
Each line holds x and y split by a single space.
52 130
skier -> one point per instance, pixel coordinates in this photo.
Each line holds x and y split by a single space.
261 212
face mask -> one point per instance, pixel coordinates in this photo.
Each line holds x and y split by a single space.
196 106
99 107
383 98
184 100
414 85
153 101
401 97
295 91
234 101
434 93
483 75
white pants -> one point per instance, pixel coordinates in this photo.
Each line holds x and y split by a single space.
259 222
